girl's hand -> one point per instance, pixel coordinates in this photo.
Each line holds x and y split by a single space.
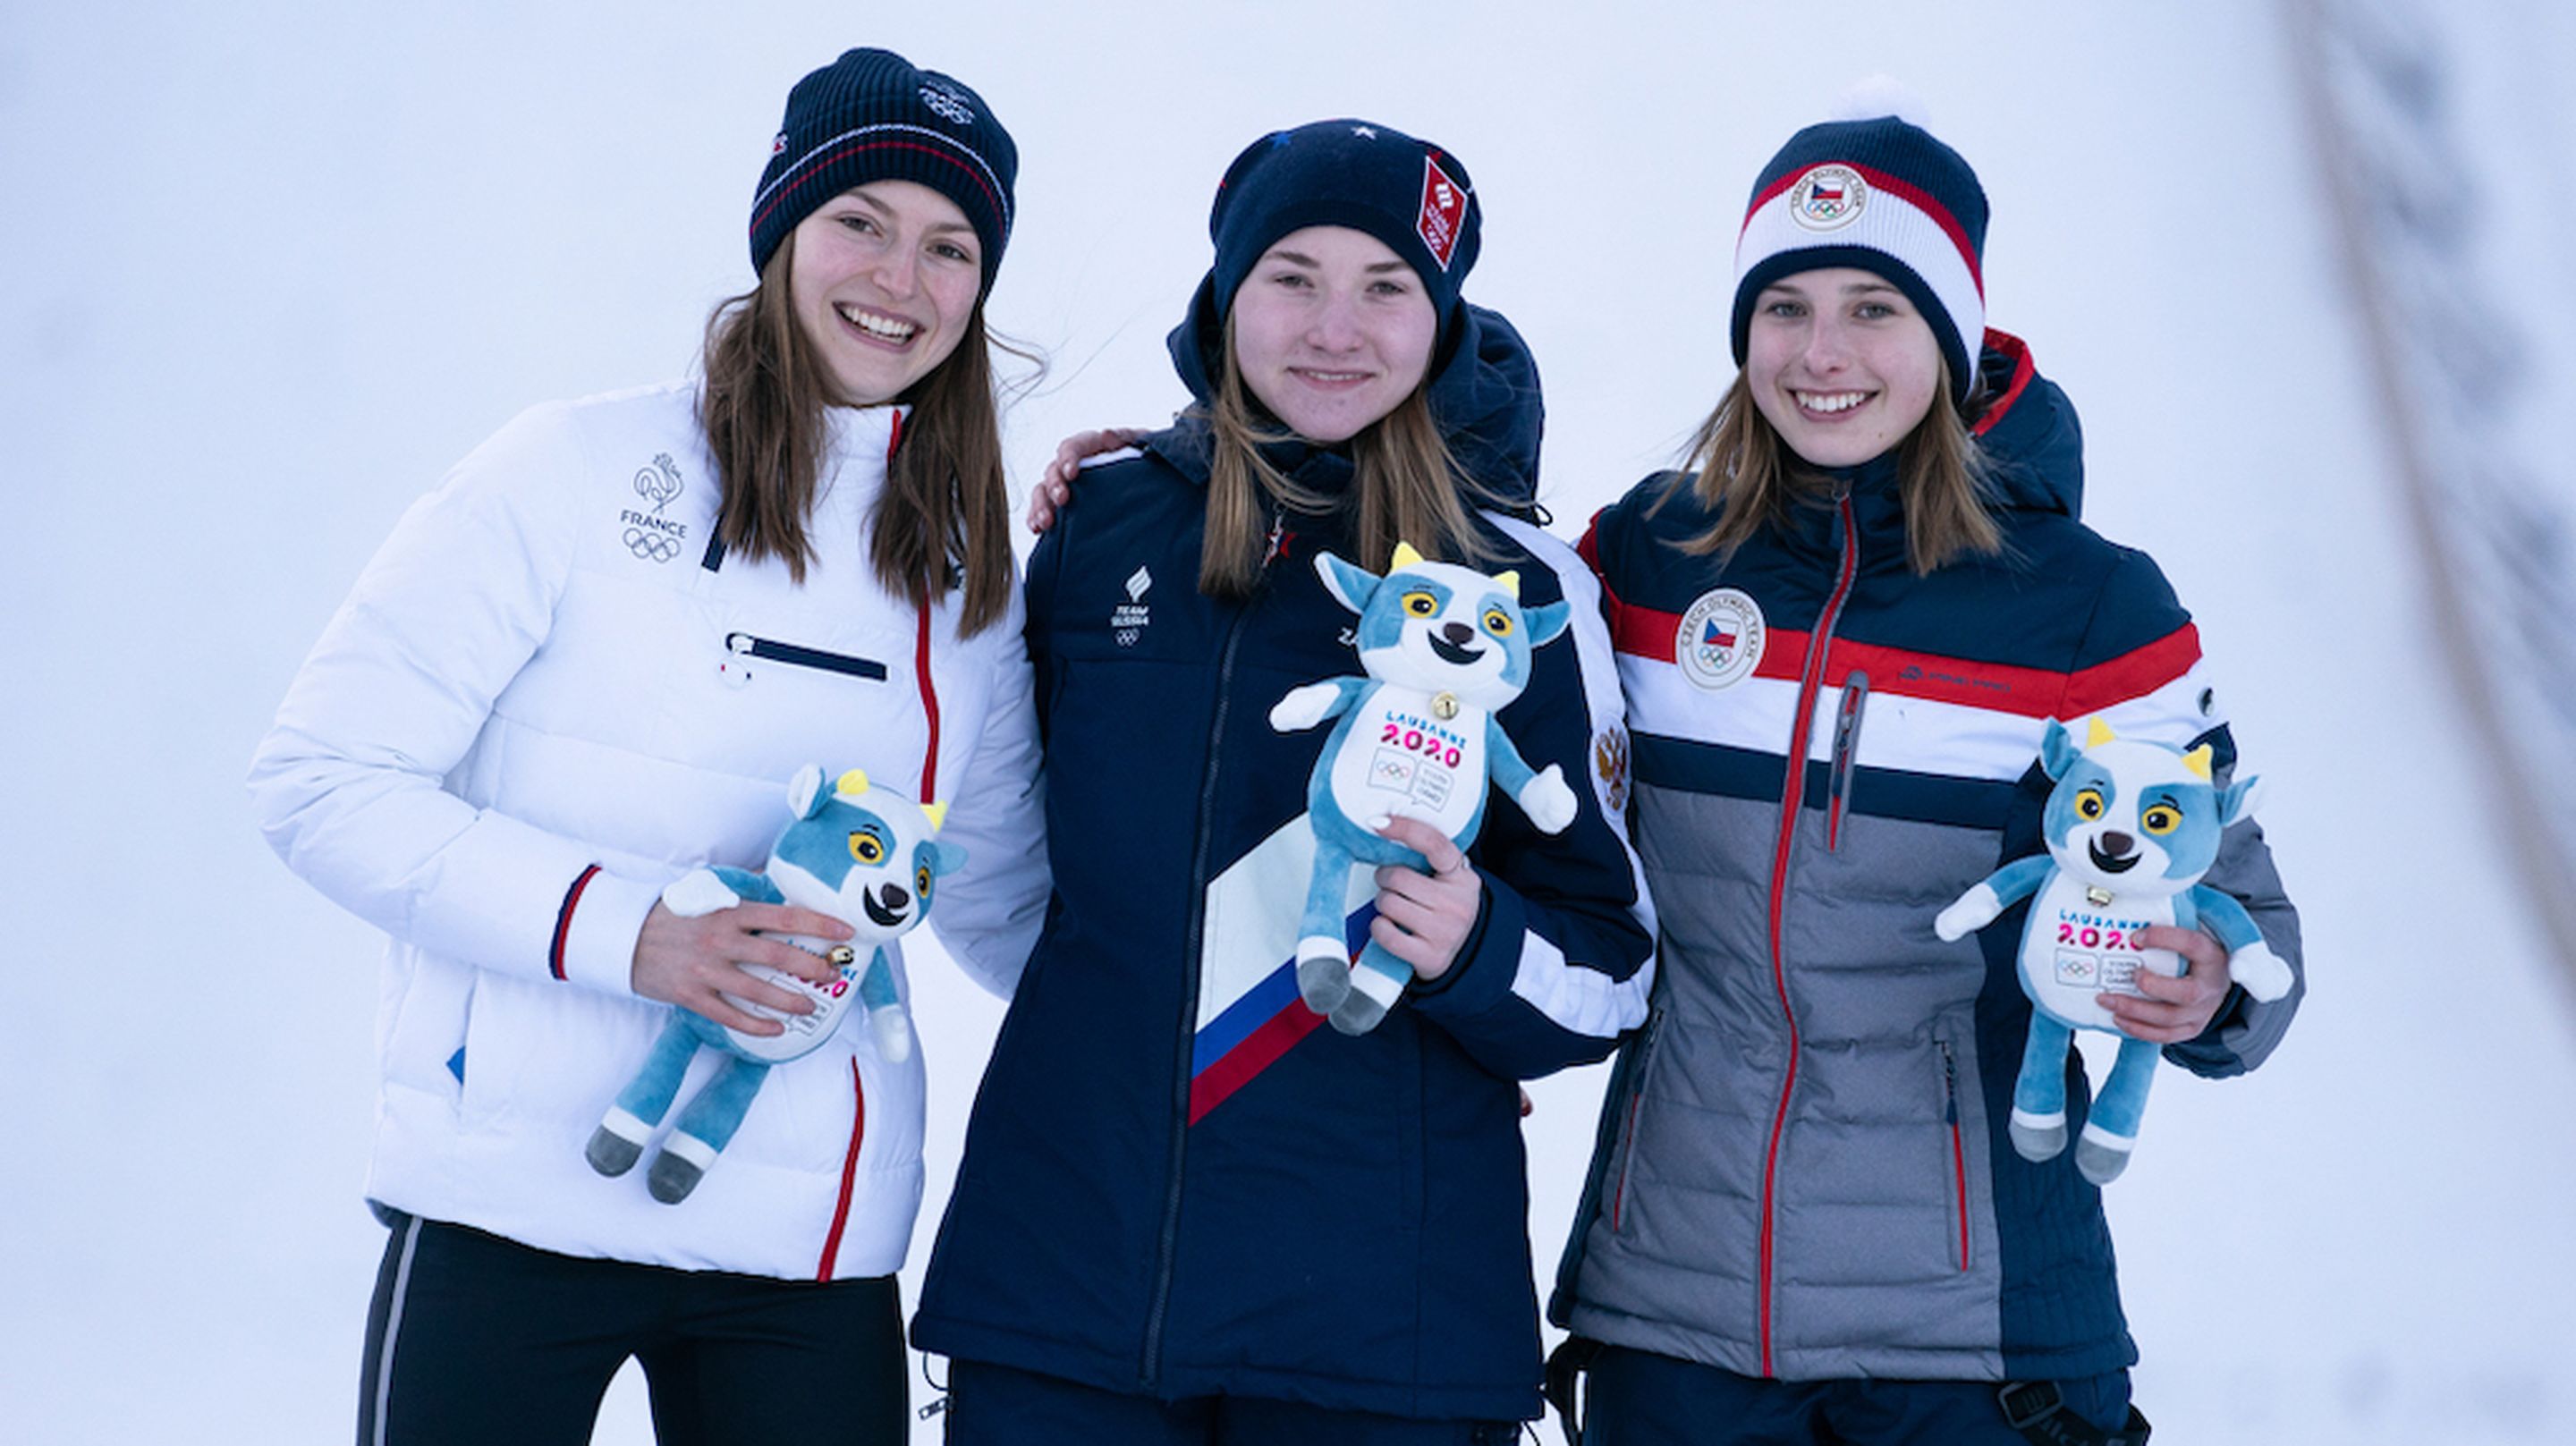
1423 918
694 962
1055 484
2176 1008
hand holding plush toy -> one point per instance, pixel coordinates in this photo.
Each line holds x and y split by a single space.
862 854
1445 648
2131 827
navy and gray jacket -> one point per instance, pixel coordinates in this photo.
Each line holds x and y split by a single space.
1803 1168
1173 1183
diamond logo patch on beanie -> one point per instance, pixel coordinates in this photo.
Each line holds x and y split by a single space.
1828 198
1444 211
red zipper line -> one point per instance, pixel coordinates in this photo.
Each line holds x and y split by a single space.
849 1174
1793 796
929 763
1959 1162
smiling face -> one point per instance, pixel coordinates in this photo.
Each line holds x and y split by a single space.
883 281
1331 331
1840 364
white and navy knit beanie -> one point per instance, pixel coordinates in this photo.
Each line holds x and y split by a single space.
872 116
1882 195
1408 193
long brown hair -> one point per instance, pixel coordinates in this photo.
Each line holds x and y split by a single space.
940 523
1749 477
1407 487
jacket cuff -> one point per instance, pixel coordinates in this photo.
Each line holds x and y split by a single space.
1479 979
1467 947
596 928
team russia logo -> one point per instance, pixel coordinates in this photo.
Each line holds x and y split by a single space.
1828 198
1444 211
1720 639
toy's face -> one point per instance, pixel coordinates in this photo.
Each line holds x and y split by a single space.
1445 628
2133 819
875 852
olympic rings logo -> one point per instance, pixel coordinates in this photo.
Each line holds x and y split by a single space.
652 546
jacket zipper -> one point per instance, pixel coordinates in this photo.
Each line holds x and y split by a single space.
1636 1099
849 1173
1846 749
771 650
1793 790
1151 1366
1958 1147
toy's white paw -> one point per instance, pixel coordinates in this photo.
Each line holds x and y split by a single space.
1547 801
697 892
1304 707
2263 973
1974 910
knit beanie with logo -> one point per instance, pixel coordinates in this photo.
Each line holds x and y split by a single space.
1408 193
1885 196
872 116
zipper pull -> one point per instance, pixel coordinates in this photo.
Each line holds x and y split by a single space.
1949 1087
1846 749
1270 549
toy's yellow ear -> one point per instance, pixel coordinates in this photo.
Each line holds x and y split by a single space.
1509 582
937 813
1405 557
853 783
2099 734
2197 760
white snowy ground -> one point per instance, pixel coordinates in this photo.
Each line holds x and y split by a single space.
266 269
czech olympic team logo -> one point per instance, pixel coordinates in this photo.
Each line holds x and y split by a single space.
1720 640
1828 198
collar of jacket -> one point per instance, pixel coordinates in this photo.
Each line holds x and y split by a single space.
1484 393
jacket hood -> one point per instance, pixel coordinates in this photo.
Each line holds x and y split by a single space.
1484 394
2033 443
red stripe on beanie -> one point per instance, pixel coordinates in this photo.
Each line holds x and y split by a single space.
1922 201
805 173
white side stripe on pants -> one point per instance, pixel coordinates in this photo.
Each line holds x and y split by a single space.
393 1327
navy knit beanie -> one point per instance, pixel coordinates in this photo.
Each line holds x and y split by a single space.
871 116
1410 194
1885 196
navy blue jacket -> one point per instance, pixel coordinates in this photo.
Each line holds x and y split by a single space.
1174 1184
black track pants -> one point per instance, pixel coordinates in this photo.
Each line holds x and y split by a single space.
476 1339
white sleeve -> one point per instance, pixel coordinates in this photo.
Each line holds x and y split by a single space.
990 910
348 786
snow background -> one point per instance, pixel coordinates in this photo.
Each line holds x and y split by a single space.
266 270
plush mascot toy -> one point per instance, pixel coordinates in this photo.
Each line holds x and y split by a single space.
1445 647
2130 827
864 855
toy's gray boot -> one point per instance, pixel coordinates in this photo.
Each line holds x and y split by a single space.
611 1153
1376 983
674 1173
1324 981
2039 1093
2101 1158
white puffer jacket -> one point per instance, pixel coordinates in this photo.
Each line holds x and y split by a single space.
548 696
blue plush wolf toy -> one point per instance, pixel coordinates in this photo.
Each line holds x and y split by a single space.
2131 826
864 855
1445 647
